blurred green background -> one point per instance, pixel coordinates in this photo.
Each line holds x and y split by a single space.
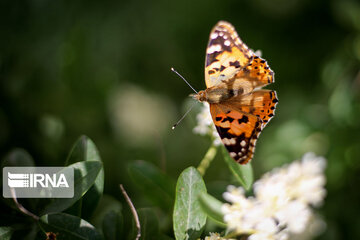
102 68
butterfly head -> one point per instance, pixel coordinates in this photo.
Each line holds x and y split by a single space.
200 96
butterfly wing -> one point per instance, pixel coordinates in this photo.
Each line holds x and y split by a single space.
238 131
231 65
257 71
240 121
226 54
228 57
260 103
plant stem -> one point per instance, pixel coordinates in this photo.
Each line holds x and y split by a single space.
205 162
21 207
133 211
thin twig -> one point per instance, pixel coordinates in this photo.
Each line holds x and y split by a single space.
21 207
133 210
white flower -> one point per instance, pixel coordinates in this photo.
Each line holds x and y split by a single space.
311 181
236 212
205 125
280 207
302 180
216 236
295 215
267 229
315 226
271 192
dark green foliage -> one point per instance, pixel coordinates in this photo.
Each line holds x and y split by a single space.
113 225
68 227
156 185
85 174
212 207
5 233
242 173
85 150
88 174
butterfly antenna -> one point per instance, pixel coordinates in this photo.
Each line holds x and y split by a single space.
172 69
177 123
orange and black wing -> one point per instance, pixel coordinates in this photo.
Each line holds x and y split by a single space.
226 54
238 131
260 103
257 71
228 58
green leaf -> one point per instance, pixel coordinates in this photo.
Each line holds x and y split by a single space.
85 174
149 224
5 233
85 150
189 220
68 227
112 226
212 207
156 185
242 173
107 204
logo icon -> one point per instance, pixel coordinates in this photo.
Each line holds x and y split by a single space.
16 180
38 182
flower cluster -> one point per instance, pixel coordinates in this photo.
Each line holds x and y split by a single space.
205 124
281 207
215 236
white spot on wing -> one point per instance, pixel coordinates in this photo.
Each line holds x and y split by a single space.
214 35
214 48
225 141
229 141
243 143
227 43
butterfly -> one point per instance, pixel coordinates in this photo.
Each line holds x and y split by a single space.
234 75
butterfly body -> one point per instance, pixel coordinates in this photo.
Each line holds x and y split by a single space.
234 76
220 93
